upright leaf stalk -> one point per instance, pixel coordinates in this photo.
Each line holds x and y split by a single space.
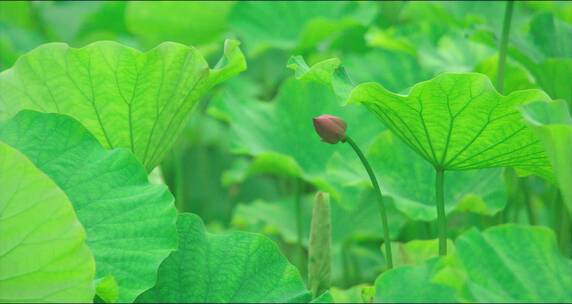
441 216
501 67
319 249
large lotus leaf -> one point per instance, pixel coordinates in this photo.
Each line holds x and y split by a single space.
43 255
460 122
287 24
513 263
553 125
234 267
196 23
130 224
124 97
508 263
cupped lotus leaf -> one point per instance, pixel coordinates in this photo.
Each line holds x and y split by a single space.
43 254
460 122
130 224
321 72
233 267
513 263
553 125
124 97
410 180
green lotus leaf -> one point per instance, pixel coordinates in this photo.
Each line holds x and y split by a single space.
126 98
512 263
553 125
43 254
233 267
130 224
508 263
460 122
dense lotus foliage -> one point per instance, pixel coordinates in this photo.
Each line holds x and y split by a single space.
304 151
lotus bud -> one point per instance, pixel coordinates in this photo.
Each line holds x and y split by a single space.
330 128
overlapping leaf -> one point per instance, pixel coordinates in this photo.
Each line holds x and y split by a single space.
460 122
124 97
553 125
234 267
43 254
508 263
130 224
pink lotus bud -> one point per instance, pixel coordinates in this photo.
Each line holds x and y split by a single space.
331 129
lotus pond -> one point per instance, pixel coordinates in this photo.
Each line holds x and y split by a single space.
304 151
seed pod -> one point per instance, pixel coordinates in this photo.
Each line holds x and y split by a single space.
331 129
319 261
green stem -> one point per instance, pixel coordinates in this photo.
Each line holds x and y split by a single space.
300 227
346 265
179 187
527 202
504 45
441 216
564 236
380 204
